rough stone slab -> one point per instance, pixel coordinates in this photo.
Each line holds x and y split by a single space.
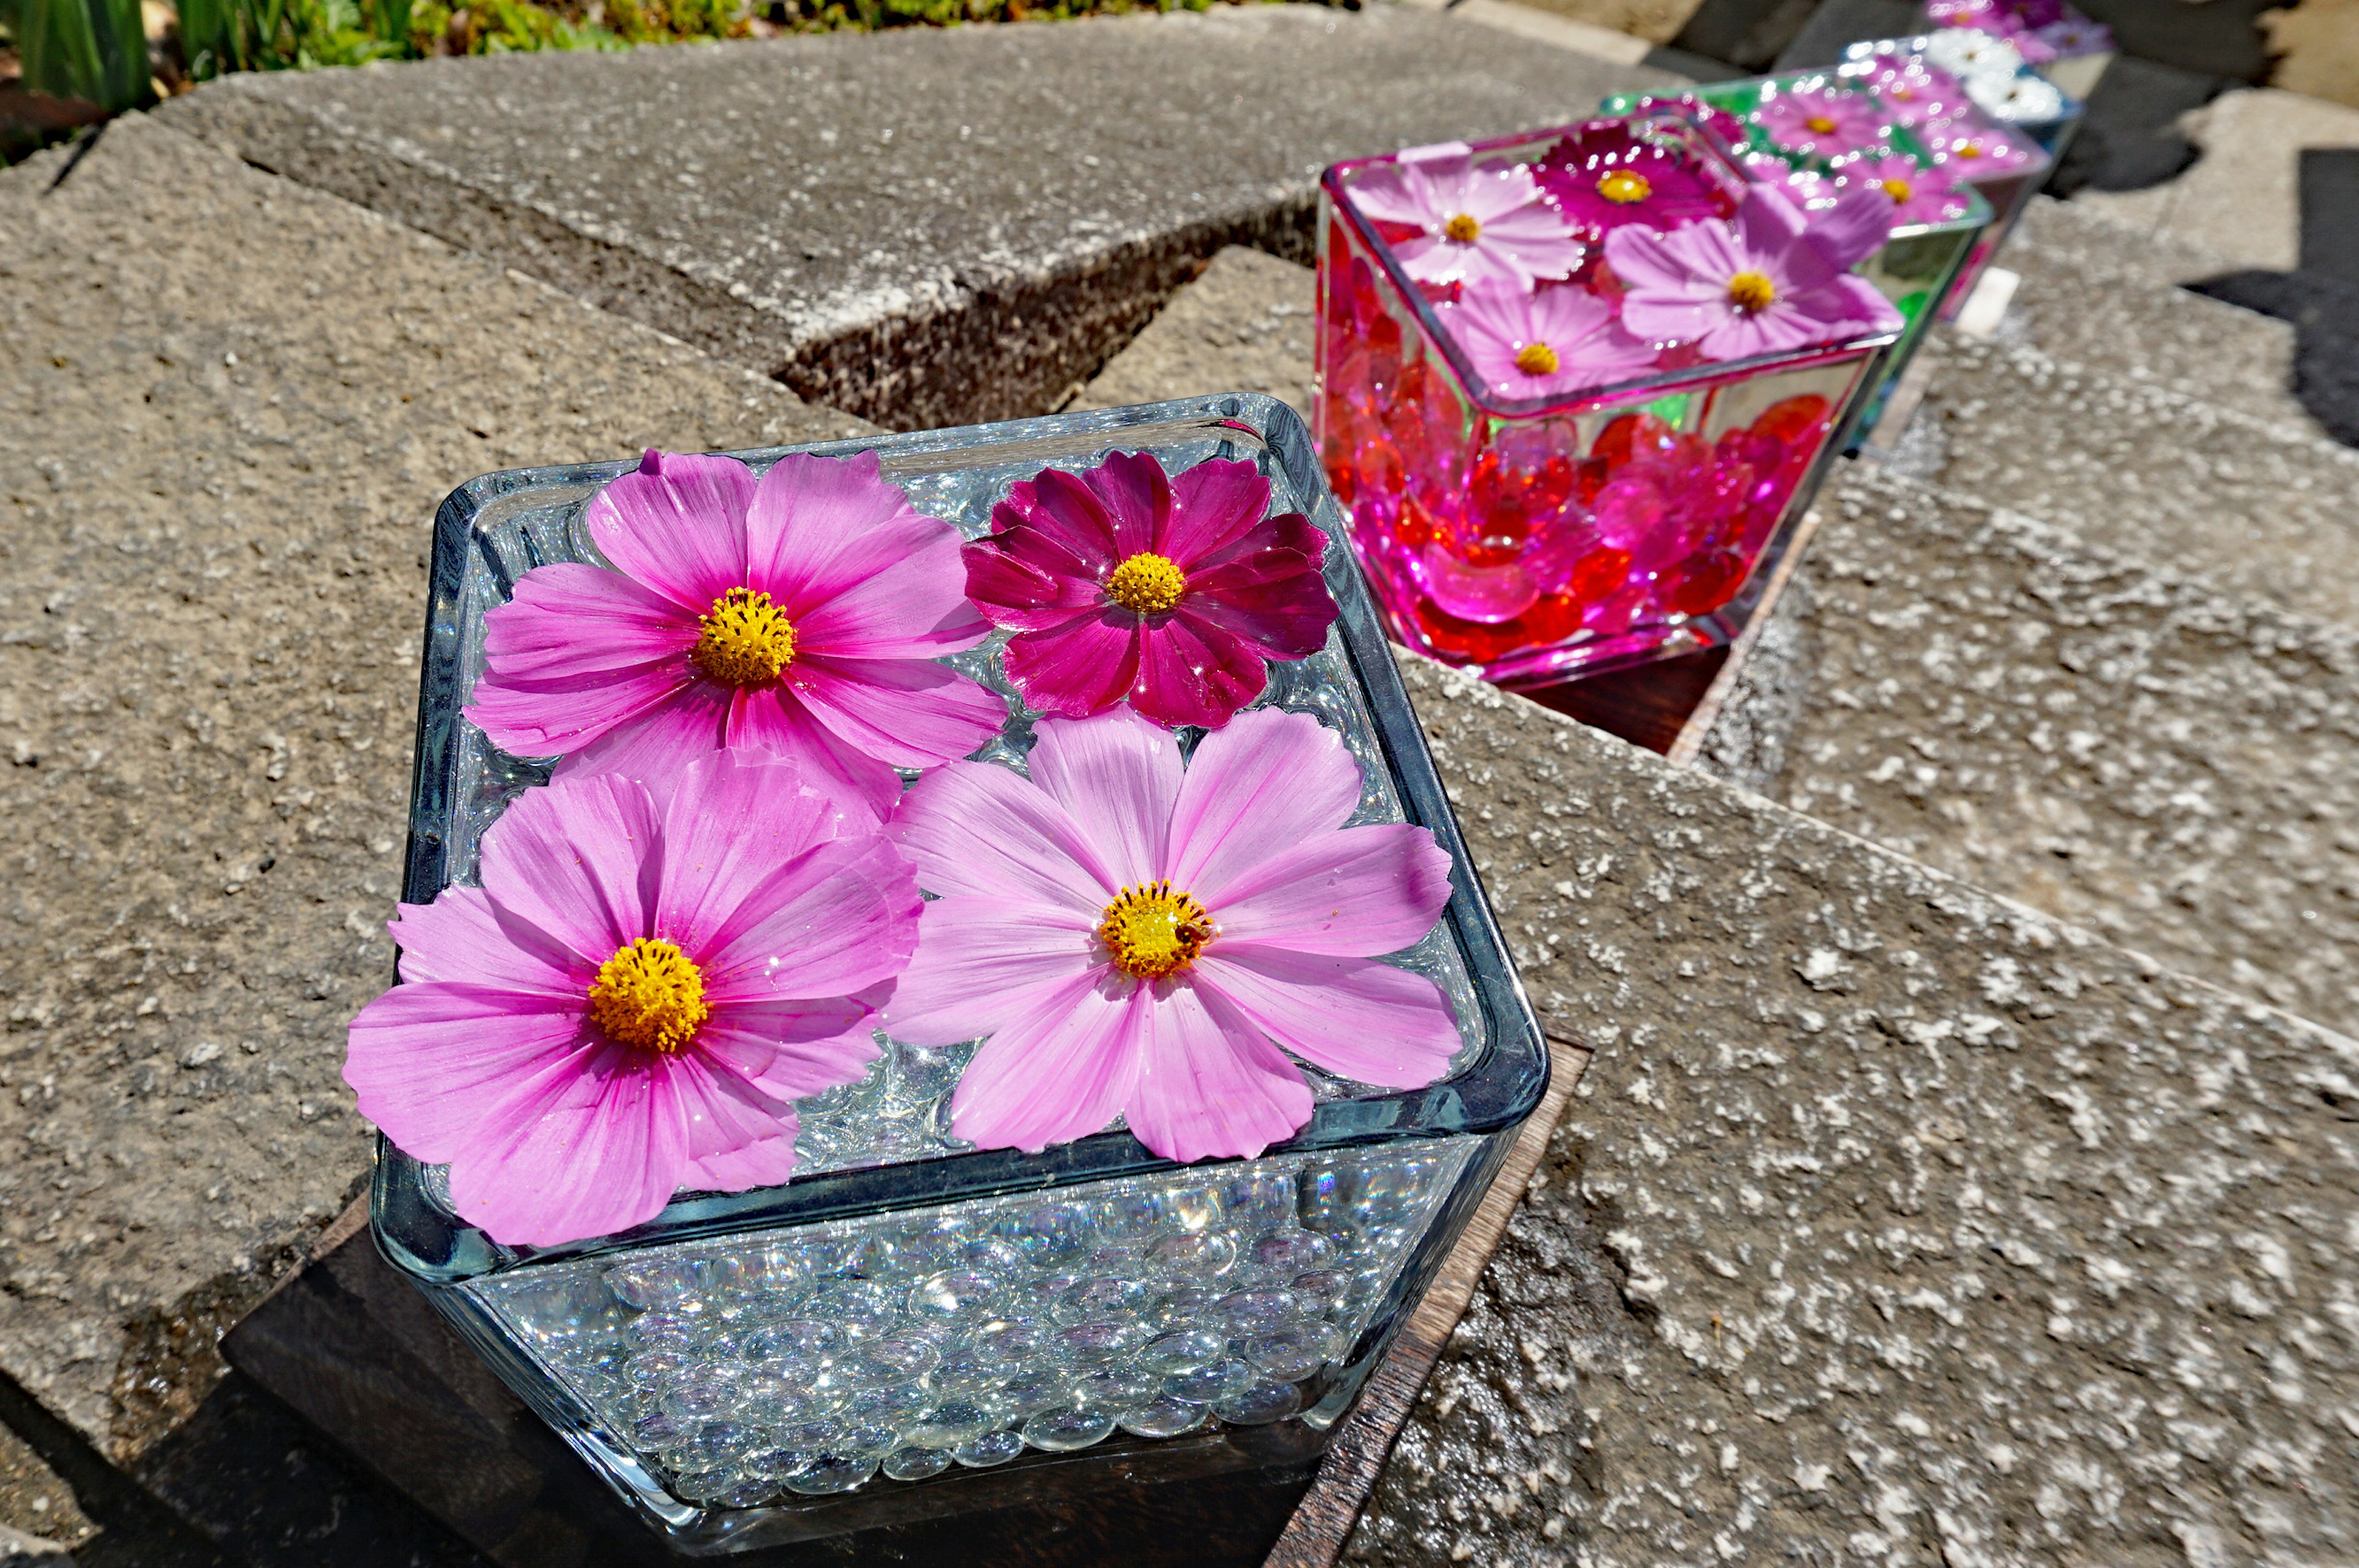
2257 506
1245 325
233 405
1891 1223
927 226
2116 746
37 1505
2099 295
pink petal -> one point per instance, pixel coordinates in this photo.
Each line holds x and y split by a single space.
915 608
1854 229
654 744
723 1112
1067 515
1366 1021
1119 776
817 526
981 961
773 719
1276 600
570 621
463 936
766 1164
1357 892
1025 594
1059 1070
912 713
976 828
590 1153
842 916
1136 496
1210 1084
1213 505
425 1059
790 1049
1269 781
1084 665
578 860
1191 671
677 523
734 819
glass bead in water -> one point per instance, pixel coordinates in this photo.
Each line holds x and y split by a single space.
894 1405
1291 1353
1101 1341
1196 1258
965 1375
1206 1385
1182 1306
1164 1416
954 1293
991 1448
916 1464
1007 1343
1329 1288
1290 1252
1116 1387
1106 1295
791 1336
1050 1236
1258 1405
1040 1296
832 1472
1182 1350
1069 1427
948 1424
702 1395
1256 1311
1031 1390
655 1369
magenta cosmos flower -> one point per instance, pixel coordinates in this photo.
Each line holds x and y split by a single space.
635 995
802 615
1142 940
1919 194
1122 582
1535 345
1817 121
1602 176
1973 152
1769 280
1451 221
1913 93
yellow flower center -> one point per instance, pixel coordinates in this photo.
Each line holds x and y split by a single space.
1624 187
1146 584
1150 931
1751 291
1897 188
1820 125
1463 228
1967 149
746 640
1536 359
648 995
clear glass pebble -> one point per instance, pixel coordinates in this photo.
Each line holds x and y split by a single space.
1207 1385
1063 1429
1164 1416
954 1293
948 1424
1195 1258
1288 1354
832 1472
1182 1350
916 1464
1258 1405
1290 1252
1106 1295
991 1448
1256 1311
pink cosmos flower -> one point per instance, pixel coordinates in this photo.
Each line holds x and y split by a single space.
1123 583
1148 941
1602 177
1454 223
1534 345
1913 93
635 995
802 615
1769 280
1973 152
1919 194
1823 122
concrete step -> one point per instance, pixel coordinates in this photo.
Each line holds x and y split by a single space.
925 226
2116 744
233 404
2256 505
1891 1222
1245 324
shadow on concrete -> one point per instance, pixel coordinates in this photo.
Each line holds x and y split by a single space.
135 1529
2129 136
2320 299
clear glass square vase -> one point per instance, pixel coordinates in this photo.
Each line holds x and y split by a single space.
912 1326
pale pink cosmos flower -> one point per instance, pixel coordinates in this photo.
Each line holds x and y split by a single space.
802 615
1146 940
636 994
1771 279
1819 122
1973 152
1490 224
1921 194
1535 345
1913 93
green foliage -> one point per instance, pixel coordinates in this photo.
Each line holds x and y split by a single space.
96 50
220 35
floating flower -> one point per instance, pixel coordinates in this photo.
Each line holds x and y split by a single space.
1913 93
1768 281
1974 152
2025 98
1467 224
1536 345
1150 942
1919 194
635 995
1602 176
2076 35
1123 583
802 615
1969 52
1822 123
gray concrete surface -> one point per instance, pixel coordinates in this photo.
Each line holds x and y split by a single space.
35 1501
1245 324
232 404
1892 1223
2117 745
924 227
2257 506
